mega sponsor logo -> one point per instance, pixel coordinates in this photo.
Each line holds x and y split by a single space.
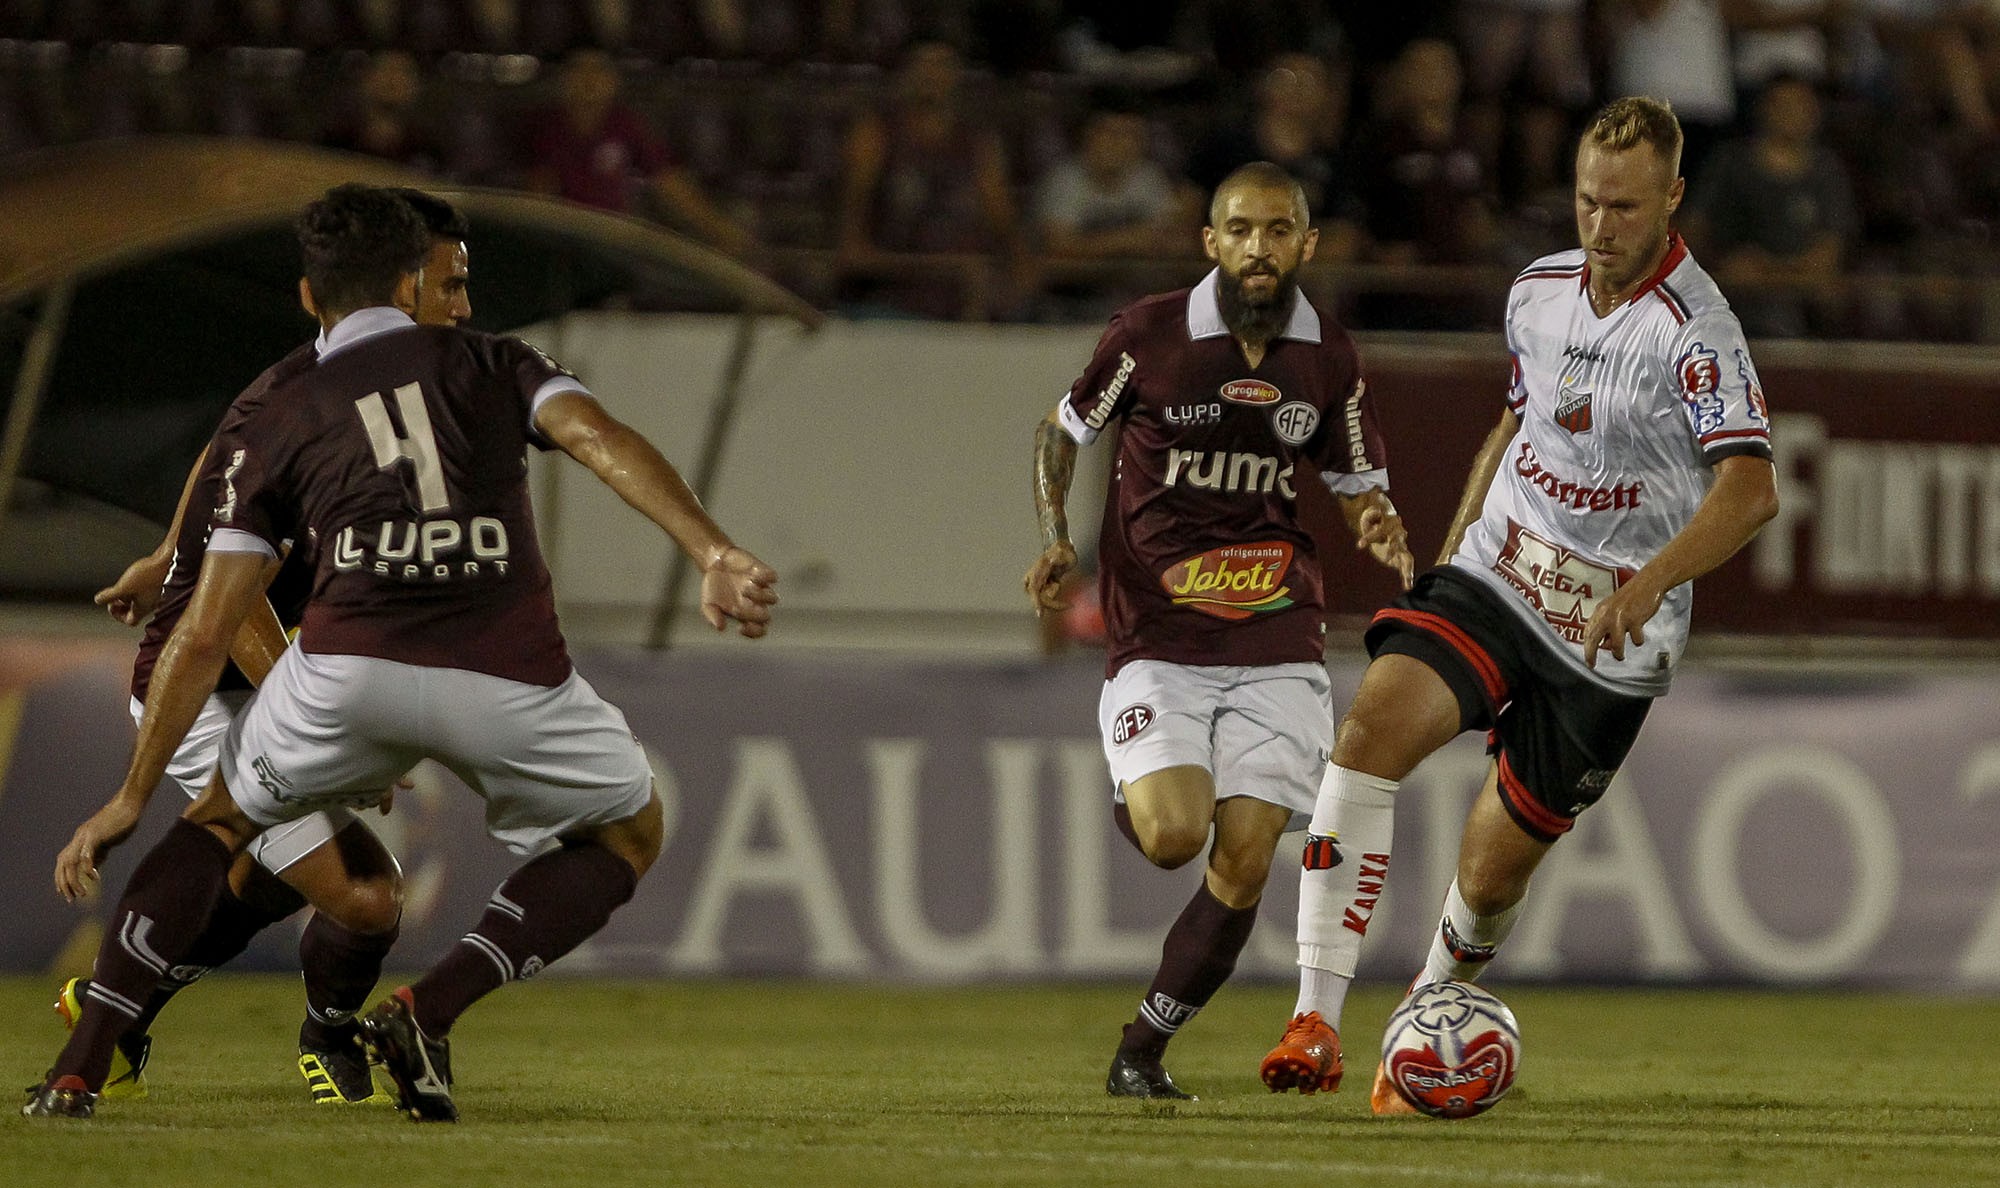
425 550
1229 472
1618 497
1563 585
1251 391
1295 422
1108 398
1131 722
1232 582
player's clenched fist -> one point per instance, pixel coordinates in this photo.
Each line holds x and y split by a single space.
741 589
1381 532
1045 576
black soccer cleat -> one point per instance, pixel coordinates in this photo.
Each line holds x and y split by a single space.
1133 1075
340 1074
60 1097
420 1065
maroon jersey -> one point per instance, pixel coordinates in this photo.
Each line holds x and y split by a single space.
1202 559
288 590
401 457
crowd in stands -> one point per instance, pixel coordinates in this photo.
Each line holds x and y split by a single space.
1046 159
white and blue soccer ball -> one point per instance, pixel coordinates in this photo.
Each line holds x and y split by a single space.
1451 1049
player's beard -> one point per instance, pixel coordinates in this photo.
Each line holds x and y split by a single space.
1257 319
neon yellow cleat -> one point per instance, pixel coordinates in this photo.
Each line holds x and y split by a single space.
128 1059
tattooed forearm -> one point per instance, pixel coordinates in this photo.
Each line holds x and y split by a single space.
1055 462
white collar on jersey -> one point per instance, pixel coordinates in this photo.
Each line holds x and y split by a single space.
361 324
1204 313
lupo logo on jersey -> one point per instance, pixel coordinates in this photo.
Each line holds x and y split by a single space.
1251 391
1232 582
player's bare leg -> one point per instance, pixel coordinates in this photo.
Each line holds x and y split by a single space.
1402 712
1496 858
546 908
1172 812
356 890
160 914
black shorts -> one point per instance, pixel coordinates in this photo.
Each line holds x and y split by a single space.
1558 736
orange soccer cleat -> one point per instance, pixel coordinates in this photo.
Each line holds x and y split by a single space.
1307 1059
1383 1098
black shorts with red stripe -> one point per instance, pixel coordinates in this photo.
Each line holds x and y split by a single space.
1557 735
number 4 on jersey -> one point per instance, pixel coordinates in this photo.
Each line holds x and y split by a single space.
419 448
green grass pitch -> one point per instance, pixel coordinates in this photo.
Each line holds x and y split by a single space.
586 1084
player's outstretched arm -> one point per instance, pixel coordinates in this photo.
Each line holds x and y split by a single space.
735 586
136 594
190 663
1743 500
1485 464
1379 529
1055 465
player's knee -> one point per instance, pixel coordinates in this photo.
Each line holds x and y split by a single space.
374 905
1170 845
1365 743
1489 892
1238 878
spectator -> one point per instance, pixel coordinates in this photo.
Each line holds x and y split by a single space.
921 177
1676 50
1526 77
595 150
1426 193
1297 122
1109 199
1774 209
385 123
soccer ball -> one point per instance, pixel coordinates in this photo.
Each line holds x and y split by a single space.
1451 1049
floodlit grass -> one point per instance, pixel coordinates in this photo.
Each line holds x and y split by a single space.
785 1083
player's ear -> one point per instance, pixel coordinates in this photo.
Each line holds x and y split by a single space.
306 301
1675 193
1311 244
1208 244
407 287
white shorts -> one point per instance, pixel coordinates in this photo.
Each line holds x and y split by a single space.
194 762
328 731
1262 731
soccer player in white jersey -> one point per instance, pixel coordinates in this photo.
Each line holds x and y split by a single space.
1633 456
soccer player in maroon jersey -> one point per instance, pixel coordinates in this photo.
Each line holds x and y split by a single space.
431 632
332 860
1215 710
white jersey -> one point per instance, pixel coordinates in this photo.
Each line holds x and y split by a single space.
1622 420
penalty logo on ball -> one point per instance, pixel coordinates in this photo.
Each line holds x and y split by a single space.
1451 1049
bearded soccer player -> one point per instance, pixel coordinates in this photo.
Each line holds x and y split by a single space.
330 860
431 632
1633 456
1215 711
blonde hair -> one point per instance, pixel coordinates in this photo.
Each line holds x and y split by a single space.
1635 120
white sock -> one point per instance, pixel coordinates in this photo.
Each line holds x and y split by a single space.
1464 942
1358 812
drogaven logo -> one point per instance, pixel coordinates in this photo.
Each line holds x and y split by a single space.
1251 391
1232 582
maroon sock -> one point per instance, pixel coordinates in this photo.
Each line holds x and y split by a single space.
230 927
542 911
169 898
341 968
1198 956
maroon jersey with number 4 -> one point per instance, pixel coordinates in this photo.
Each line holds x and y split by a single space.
1202 559
402 457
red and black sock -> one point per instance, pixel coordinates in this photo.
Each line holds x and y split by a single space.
543 910
1199 955
168 900
341 968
